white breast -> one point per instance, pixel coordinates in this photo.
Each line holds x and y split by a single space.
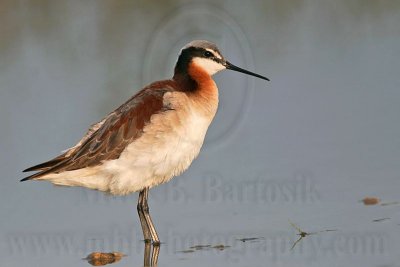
168 146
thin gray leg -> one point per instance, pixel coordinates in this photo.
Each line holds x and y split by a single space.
149 231
145 227
152 229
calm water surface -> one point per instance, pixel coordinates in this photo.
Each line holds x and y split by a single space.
286 164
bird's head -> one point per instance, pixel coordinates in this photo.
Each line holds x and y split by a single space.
206 56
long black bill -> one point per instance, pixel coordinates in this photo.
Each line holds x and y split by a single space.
230 66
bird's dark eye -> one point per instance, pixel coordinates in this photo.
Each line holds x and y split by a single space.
208 54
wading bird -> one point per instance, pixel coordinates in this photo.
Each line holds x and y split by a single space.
151 138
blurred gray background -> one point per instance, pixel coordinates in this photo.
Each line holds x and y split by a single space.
305 147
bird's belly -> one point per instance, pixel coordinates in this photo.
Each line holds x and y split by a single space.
167 147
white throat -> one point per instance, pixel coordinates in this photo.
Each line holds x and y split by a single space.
209 65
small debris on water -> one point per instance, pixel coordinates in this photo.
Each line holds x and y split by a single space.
204 247
200 247
302 233
381 219
247 239
369 201
187 251
221 247
101 258
390 203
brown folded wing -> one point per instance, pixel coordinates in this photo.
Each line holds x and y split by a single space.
107 139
